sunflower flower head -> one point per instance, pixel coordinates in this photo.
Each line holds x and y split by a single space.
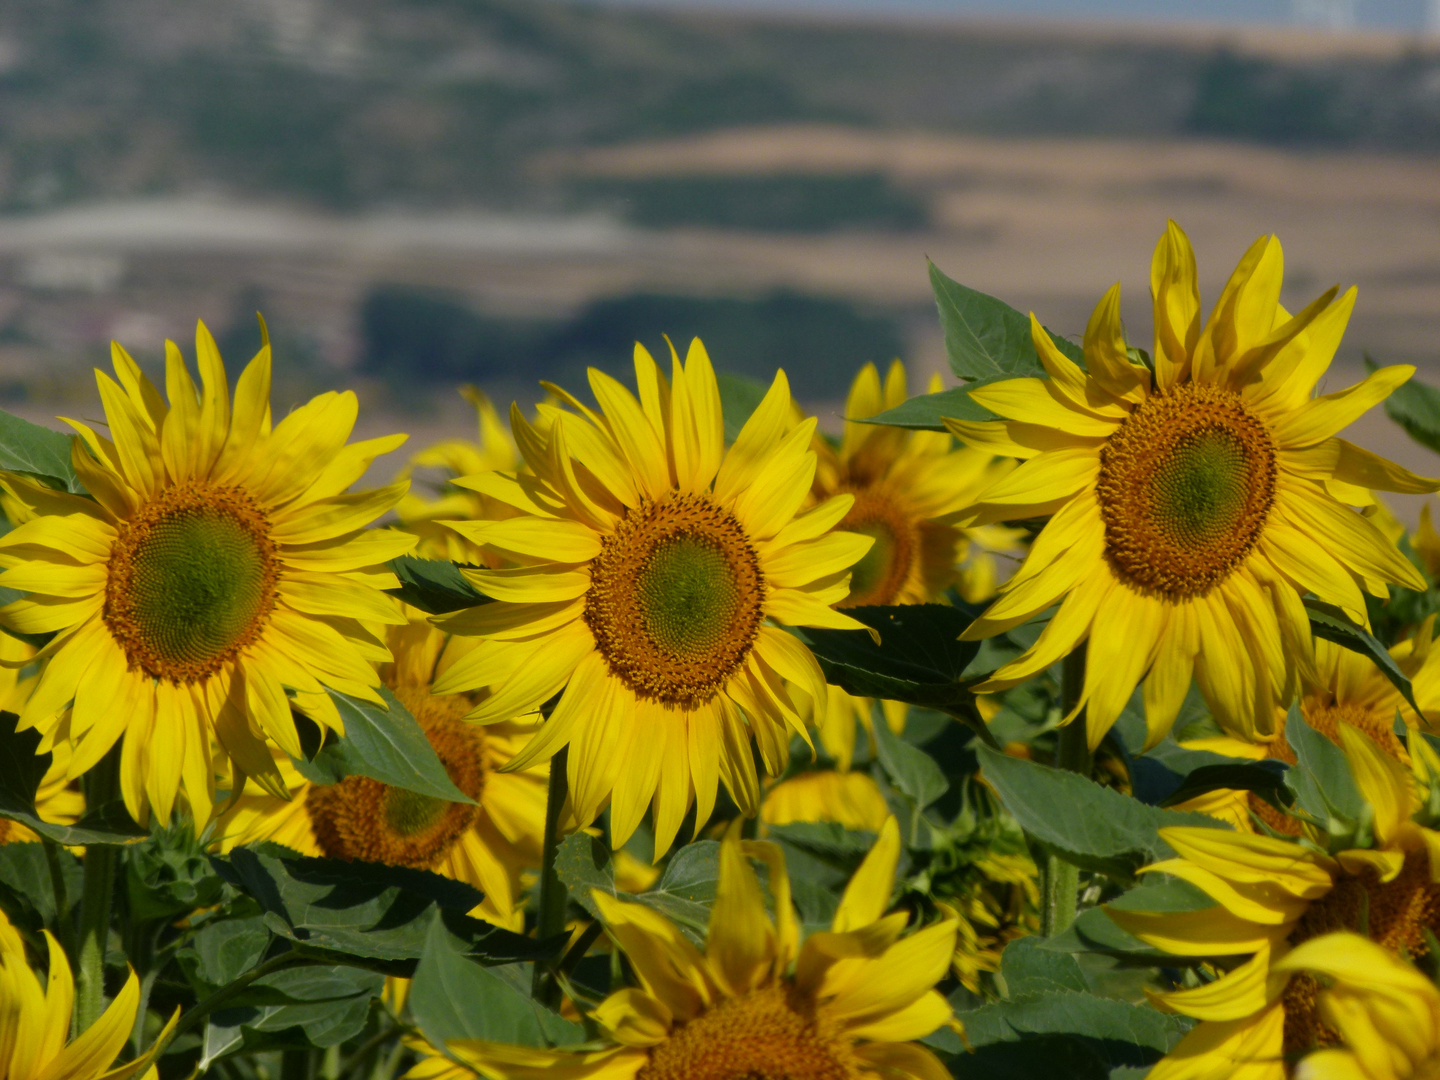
35 1041
646 566
1192 500
487 845
845 1004
1274 894
220 561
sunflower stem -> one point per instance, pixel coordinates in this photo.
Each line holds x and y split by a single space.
101 786
64 924
553 894
1072 753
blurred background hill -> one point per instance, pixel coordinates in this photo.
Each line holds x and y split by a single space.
420 193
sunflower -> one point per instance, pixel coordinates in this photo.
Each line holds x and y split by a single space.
757 1003
1273 894
904 483
487 845
57 799
1192 505
850 799
219 564
457 458
35 1020
650 563
1386 1013
1426 542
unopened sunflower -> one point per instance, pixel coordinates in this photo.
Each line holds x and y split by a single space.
35 1041
487 845
1192 505
904 482
649 566
458 458
1273 894
220 563
757 1003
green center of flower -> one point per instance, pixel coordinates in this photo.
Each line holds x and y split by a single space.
675 599
409 813
687 594
1185 488
191 580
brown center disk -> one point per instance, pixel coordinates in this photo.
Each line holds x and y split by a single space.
1185 486
761 1036
883 571
363 820
676 597
1394 914
191 581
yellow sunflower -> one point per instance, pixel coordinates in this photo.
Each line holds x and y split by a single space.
651 563
904 483
845 1004
850 799
219 564
1386 1013
457 458
1193 505
35 1039
1426 542
1272 894
58 800
487 845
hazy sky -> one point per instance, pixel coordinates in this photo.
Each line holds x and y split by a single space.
1395 14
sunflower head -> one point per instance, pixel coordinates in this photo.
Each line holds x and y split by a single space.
1193 497
218 564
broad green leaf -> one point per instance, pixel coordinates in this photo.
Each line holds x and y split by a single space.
383 744
825 840
1322 781
372 913
1329 622
1265 778
333 1006
684 892
909 768
453 997
221 951
919 660
21 770
36 451
433 585
739 397
1027 967
583 863
1415 406
927 412
986 337
27 893
1091 826
1080 1015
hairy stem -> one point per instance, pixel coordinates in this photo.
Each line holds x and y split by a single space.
1072 752
553 894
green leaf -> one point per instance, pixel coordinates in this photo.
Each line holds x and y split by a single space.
1329 622
684 892
385 745
333 1005
1077 1014
1027 967
1415 406
919 660
1265 778
366 912
985 337
1322 781
21 770
221 951
433 585
739 397
1094 930
27 894
455 998
909 768
170 876
1091 826
36 451
927 411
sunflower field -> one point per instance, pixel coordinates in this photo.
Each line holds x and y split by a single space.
1079 721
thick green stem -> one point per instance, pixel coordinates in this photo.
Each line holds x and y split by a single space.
1072 753
101 786
553 894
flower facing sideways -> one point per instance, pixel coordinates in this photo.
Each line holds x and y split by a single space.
220 562
757 1004
1192 505
646 567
